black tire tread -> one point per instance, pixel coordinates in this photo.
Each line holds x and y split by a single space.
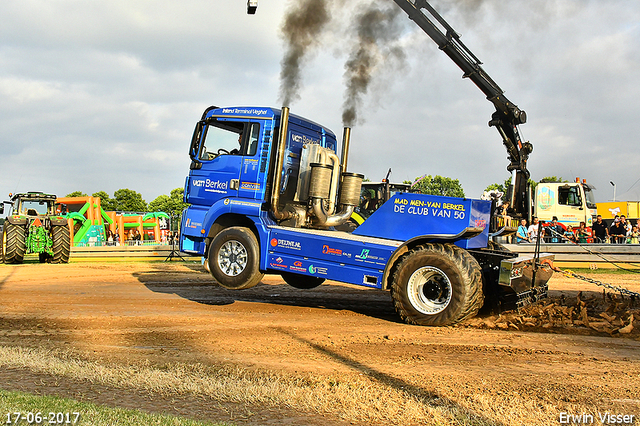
253 248
61 243
16 243
467 264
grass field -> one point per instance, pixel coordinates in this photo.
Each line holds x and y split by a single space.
21 408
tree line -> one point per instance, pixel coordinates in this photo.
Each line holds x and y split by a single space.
128 200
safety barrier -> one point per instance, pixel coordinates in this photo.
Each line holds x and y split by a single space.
122 252
591 256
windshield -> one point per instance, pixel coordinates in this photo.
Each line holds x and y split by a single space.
34 207
591 199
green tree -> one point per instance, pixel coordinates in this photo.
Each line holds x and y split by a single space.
552 179
128 200
439 185
76 194
171 204
107 203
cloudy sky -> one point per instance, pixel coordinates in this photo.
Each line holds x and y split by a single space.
101 95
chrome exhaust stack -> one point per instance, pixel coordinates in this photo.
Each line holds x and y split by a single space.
277 178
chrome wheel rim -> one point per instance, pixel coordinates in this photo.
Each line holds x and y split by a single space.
429 290
232 258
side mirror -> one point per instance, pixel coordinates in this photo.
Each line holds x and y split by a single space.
1 208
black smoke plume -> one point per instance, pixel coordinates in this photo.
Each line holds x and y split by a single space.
378 30
302 29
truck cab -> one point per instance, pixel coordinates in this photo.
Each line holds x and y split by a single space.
571 203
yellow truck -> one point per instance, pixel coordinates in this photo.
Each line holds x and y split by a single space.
609 210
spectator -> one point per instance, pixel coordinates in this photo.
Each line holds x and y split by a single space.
504 213
600 230
634 235
569 235
583 234
522 236
625 224
617 232
534 230
555 231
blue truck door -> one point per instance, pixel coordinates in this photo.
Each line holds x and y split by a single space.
220 155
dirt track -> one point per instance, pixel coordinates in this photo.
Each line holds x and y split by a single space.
128 313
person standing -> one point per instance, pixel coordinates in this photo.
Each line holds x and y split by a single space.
583 234
555 231
634 235
534 230
617 232
600 230
522 235
569 235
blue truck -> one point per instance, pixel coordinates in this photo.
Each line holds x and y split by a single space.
267 191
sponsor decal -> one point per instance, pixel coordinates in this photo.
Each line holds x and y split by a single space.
278 265
367 257
303 139
288 244
279 260
546 198
317 270
297 263
226 201
211 185
428 208
363 255
328 250
481 223
250 186
247 111
193 225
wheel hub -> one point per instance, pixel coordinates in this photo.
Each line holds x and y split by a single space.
232 258
429 290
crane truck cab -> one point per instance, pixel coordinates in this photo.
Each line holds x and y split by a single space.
571 203
266 191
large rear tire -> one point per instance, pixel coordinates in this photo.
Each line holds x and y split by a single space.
302 282
61 243
234 257
13 243
437 284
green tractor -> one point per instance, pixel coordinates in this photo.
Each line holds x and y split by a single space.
34 227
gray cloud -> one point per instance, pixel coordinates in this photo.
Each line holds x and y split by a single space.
104 95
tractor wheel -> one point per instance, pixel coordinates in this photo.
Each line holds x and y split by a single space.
303 282
234 257
2 245
61 244
437 284
13 243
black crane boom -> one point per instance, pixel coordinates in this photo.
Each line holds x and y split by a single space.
507 116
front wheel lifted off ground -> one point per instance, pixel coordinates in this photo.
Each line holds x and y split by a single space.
234 258
437 284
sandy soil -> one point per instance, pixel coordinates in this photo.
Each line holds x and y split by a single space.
173 312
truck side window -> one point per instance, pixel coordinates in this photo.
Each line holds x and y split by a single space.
220 138
569 196
252 140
